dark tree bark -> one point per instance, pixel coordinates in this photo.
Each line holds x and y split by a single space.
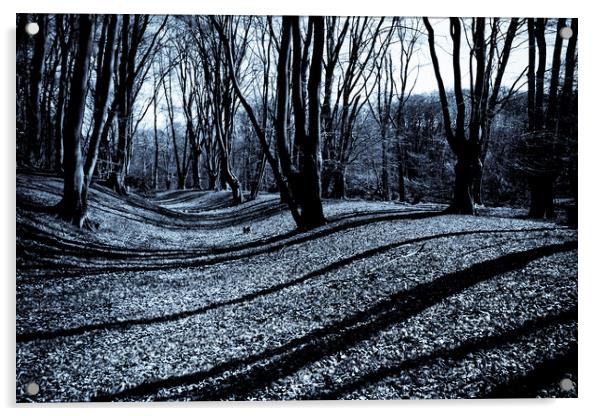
298 84
156 142
490 101
282 99
333 48
196 169
304 185
542 172
401 160
466 151
34 119
283 186
209 142
531 74
48 92
226 171
545 119
64 34
470 149
181 159
104 72
219 75
540 37
122 104
568 126
350 100
407 37
73 206
133 65
477 109
312 214
190 89
258 180
552 110
224 117
300 190
382 110
22 86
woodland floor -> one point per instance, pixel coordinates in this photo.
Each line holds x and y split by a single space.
171 300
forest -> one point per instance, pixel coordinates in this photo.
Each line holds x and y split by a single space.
287 207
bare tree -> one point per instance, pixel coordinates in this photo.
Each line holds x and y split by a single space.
104 70
73 205
181 159
334 43
543 147
382 108
468 149
352 95
266 108
219 77
64 34
407 36
133 66
285 190
34 116
300 189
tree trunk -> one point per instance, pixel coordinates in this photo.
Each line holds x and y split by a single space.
541 184
312 214
229 178
540 37
73 206
211 178
478 184
542 197
326 180
401 169
117 178
283 186
226 176
103 84
212 181
35 93
465 174
256 185
156 140
339 183
59 115
386 189
181 181
47 104
282 109
196 170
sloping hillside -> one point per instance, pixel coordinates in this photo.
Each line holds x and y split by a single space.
185 297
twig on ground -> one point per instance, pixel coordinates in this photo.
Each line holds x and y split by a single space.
394 259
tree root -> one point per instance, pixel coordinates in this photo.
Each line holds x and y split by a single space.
88 224
454 209
78 218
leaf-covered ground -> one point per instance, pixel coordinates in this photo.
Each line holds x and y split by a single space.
171 300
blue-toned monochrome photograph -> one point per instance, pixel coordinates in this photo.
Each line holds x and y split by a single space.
237 207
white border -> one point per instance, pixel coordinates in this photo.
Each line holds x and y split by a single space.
590 153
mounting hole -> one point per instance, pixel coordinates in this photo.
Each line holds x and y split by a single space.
32 28
32 389
566 384
566 32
